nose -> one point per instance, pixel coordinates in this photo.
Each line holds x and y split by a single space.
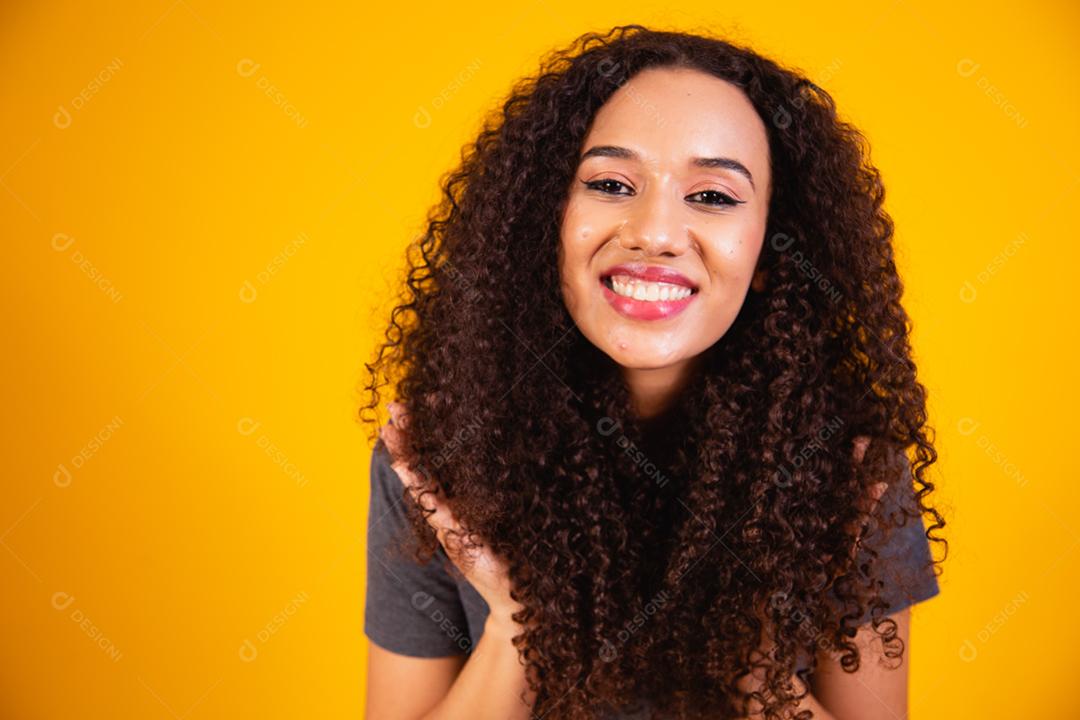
654 225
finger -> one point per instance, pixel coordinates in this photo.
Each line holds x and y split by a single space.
423 496
861 443
438 515
436 512
395 446
391 436
878 490
398 416
442 520
867 505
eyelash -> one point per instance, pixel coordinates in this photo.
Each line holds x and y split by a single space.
726 200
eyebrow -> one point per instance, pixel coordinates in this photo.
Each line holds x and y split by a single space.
615 151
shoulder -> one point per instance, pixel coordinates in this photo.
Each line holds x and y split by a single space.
904 563
387 500
411 608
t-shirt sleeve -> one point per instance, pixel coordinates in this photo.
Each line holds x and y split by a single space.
904 558
410 609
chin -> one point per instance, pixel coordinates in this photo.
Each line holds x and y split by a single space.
637 360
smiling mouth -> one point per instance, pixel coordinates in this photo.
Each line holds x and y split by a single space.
635 289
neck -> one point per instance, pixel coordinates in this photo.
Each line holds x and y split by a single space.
653 391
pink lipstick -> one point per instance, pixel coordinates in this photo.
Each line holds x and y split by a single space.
624 287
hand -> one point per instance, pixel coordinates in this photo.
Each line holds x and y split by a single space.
755 681
866 504
486 571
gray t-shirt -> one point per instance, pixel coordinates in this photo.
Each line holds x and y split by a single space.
419 610
433 611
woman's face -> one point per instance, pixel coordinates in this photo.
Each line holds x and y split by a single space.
664 222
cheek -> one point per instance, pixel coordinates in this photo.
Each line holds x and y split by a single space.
577 241
572 261
732 256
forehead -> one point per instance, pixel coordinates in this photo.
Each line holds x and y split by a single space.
670 114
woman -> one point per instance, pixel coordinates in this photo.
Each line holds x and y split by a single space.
653 377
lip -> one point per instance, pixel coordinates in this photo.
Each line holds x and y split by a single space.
650 273
644 309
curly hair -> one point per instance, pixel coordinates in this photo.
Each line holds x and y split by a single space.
610 526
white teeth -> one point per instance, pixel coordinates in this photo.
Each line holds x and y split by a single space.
648 291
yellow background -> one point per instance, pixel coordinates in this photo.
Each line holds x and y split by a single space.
203 210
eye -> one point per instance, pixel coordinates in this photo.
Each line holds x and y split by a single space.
717 198
607 186
610 186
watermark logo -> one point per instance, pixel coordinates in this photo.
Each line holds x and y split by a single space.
63 117
62 601
422 118
248 426
62 242
246 68
249 293
607 427
249 649
63 475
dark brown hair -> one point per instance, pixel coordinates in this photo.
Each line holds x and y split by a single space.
647 558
